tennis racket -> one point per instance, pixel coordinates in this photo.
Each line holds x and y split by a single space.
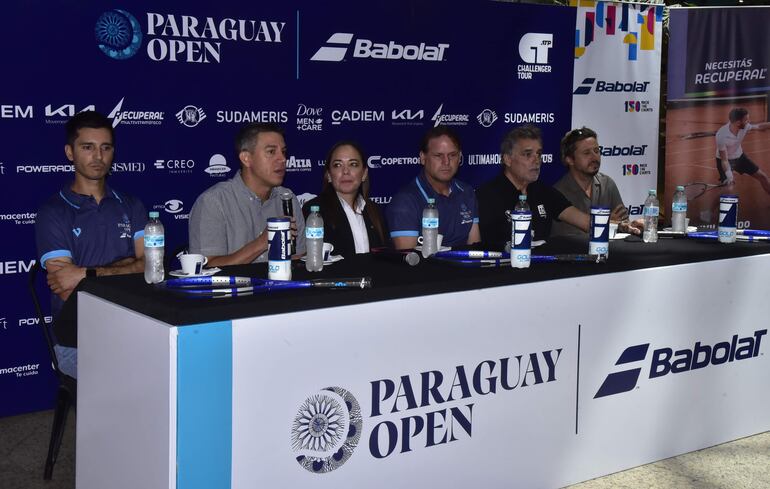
232 286
696 189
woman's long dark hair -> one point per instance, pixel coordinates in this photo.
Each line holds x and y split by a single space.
330 202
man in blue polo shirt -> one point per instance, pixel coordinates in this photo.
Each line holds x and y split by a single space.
440 155
87 229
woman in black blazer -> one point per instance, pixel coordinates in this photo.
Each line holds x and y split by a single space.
345 204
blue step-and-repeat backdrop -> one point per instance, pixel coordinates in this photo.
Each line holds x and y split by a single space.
179 78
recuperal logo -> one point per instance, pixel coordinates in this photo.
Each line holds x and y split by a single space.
366 48
326 430
667 361
118 34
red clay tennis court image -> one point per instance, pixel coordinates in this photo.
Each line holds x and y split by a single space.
691 157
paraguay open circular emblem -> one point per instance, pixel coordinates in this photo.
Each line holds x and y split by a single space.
326 430
118 34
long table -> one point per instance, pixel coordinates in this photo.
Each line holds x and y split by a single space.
439 376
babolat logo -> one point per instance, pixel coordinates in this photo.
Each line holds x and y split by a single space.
667 361
366 48
610 86
623 150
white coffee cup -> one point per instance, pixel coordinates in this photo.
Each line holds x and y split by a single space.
192 264
439 240
328 248
613 229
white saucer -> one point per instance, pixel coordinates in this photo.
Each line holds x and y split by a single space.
443 248
620 236
332 259
206 272
690 229
537 242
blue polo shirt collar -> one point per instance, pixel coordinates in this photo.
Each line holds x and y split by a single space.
427 191
77 200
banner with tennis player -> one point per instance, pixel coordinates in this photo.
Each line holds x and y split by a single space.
717 138
616 90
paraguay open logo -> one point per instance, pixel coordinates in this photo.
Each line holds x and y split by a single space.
118 34
326 429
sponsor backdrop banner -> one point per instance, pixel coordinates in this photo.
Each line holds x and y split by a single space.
617 90
708 77
179 80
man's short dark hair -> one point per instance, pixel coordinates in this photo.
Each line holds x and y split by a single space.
87 119
738 113
514 135
247 136
437 132
570 140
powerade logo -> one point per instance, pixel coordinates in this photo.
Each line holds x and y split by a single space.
366 48
600 86
118 34
666 361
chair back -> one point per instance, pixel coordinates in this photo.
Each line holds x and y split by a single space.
47 332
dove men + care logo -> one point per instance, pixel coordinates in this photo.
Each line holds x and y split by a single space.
665 361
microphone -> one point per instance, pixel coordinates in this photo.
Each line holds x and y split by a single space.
410 257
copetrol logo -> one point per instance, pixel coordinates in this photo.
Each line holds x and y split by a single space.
190 116
366 48
62 113
377 161
176 166
294 164
666 361
13 267
448 119
118 34
407 117
326 430
19 218
217 166
179 38
533 50
16 112
246 116
309 118
134 117
600 86
412 411
340 116
487 117
21 370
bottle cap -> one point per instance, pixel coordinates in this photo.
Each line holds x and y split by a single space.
652 192
431 200
154 214
680 188
315 208
523 197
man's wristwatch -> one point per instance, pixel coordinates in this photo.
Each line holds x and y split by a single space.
90 273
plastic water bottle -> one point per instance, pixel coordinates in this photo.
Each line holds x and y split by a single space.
154 242
429 229
679 211
522 205
314 240
651 212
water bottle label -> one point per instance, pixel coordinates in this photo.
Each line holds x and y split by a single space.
651 210
154 241
314 233
679 207
430 222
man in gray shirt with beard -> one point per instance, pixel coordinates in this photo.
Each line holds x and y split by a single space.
584 186
228 221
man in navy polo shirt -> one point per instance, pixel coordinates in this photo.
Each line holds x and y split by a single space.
87 229
440 155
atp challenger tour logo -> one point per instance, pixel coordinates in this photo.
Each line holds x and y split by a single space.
666 361
410 412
